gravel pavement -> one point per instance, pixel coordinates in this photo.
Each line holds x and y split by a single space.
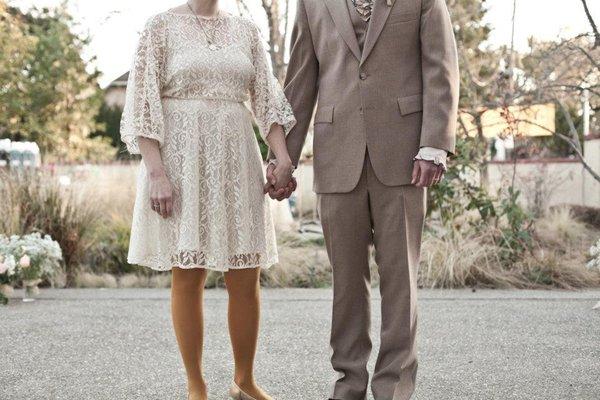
118 344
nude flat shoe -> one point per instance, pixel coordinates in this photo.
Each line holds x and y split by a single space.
238 394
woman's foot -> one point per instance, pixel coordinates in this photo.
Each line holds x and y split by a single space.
197 392
250 388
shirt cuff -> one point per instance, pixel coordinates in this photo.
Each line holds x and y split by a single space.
436 156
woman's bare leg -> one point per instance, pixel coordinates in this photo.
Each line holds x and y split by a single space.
243 287
187 291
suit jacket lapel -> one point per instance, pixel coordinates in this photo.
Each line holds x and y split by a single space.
341 18
380 13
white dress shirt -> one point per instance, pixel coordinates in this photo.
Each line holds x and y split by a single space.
437 156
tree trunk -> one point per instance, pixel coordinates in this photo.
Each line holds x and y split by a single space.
278 23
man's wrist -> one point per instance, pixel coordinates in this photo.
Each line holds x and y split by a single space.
434 155
286 163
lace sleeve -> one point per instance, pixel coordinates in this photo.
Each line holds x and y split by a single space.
269 104
142 114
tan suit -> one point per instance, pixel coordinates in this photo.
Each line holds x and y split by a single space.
377 105
398 94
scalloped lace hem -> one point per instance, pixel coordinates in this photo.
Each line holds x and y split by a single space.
158 264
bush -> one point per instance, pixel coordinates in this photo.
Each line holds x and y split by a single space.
38 257
555 257
35 202
478 238
588 215
108 254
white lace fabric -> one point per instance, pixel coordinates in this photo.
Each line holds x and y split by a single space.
191 100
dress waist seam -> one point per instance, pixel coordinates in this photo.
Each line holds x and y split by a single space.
214 98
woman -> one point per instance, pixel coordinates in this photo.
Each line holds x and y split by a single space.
200 204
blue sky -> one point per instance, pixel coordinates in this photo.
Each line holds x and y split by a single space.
113 24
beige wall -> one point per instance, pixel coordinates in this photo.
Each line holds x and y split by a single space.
104 181
591 186
542 184
115 96
552 182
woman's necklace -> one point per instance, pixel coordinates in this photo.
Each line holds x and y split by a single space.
209 38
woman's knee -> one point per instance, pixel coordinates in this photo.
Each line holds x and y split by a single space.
189 280
243 284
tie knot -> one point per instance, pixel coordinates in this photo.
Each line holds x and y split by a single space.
364 8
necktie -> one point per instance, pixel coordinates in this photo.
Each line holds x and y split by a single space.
363 8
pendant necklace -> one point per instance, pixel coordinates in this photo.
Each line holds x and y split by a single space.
209 39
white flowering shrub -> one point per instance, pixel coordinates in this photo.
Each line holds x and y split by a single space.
7 268
28 257
594 263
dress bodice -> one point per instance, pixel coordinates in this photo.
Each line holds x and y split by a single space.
192 70
173 60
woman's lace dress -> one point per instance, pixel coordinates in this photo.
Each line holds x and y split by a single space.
191 100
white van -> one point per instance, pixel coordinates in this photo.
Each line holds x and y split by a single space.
19 154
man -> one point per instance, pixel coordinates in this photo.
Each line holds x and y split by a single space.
385 74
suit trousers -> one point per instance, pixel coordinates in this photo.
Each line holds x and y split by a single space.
390 218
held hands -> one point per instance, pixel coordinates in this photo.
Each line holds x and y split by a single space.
426 173
280 182
161 194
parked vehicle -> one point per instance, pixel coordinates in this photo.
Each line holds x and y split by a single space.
19 154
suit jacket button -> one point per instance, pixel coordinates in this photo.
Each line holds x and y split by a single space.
363 76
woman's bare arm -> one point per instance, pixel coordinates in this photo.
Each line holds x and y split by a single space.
161 191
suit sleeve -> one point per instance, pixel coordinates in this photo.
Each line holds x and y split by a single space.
301 82
439 63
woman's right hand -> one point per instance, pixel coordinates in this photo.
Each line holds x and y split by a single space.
161 193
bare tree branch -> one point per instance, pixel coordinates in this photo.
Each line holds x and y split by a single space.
579 154
242 7
586 54
576 144
286 25
592 23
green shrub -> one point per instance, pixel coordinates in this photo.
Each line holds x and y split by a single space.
109 251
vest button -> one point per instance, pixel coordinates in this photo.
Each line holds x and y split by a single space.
363 76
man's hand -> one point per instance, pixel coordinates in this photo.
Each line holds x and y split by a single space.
277 190
426 173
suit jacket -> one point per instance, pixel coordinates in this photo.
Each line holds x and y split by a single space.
397 95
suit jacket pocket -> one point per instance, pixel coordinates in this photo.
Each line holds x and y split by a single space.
324 114
323 124
402 17
410 104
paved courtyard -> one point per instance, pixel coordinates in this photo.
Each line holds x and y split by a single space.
118 344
